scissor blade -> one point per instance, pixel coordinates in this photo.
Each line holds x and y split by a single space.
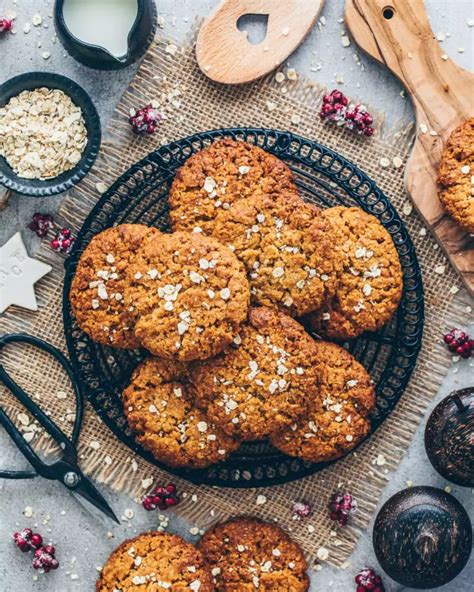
88 491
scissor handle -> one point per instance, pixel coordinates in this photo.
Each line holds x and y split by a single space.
67 445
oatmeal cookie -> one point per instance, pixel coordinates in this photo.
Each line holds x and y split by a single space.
155 561
190 294
97 290
159 407
337 419
456 176
247 554
217 176
370 283
286 247
263 382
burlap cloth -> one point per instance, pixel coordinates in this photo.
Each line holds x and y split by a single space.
193 104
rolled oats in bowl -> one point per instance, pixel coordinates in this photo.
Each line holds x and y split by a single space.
42 133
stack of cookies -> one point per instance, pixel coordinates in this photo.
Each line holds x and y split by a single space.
244 553
220 304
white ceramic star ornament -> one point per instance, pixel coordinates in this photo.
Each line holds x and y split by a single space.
18 275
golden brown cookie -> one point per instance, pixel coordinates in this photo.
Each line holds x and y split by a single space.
338 417
97 290
160 408
190 294
155 561
286 247
217 176
456 175
370 283
247 554
263 382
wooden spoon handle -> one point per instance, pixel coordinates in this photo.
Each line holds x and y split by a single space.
225 54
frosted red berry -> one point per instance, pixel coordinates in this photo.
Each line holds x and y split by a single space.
459 343
354 116
6 25
162 498
41 224
63 241
26 540
368 581
341 506
146 120
302 509
45 560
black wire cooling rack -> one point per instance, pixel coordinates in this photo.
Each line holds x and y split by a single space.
324 178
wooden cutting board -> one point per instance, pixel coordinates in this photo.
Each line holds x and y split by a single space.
225 54
398 35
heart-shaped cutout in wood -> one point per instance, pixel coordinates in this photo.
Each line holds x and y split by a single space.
255 25
226 54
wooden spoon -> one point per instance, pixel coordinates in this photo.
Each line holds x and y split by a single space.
397 34
226 55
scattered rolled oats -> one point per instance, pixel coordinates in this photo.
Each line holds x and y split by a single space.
42 133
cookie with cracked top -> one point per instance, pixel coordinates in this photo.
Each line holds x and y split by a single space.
246 554
287 249
190 294
263 382
338 417
216 177
97 290
159 407
370 283
456 175
155 561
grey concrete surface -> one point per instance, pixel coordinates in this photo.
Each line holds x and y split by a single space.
82 538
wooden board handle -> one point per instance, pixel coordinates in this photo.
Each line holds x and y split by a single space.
397 34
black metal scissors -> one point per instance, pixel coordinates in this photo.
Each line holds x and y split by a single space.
65 469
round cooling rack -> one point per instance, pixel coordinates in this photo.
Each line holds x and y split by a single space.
324 178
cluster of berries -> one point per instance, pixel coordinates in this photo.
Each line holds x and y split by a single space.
162 498
459 343
368 581
341 506
44 556
63 240
355 117
146 120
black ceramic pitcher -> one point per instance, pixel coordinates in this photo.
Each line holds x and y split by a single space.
140 37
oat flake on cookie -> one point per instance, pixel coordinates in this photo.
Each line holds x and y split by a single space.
42 133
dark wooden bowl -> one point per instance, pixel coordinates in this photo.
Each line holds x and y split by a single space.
66 180
449 437
422 537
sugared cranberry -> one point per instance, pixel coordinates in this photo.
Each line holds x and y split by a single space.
45 560
146 120
36 540
302 509
26 540
355 117
41 224
368 581
63 241
162 498
459 342
6 25
341 506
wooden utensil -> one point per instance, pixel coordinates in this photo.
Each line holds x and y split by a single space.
397 34
422 537
226 55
